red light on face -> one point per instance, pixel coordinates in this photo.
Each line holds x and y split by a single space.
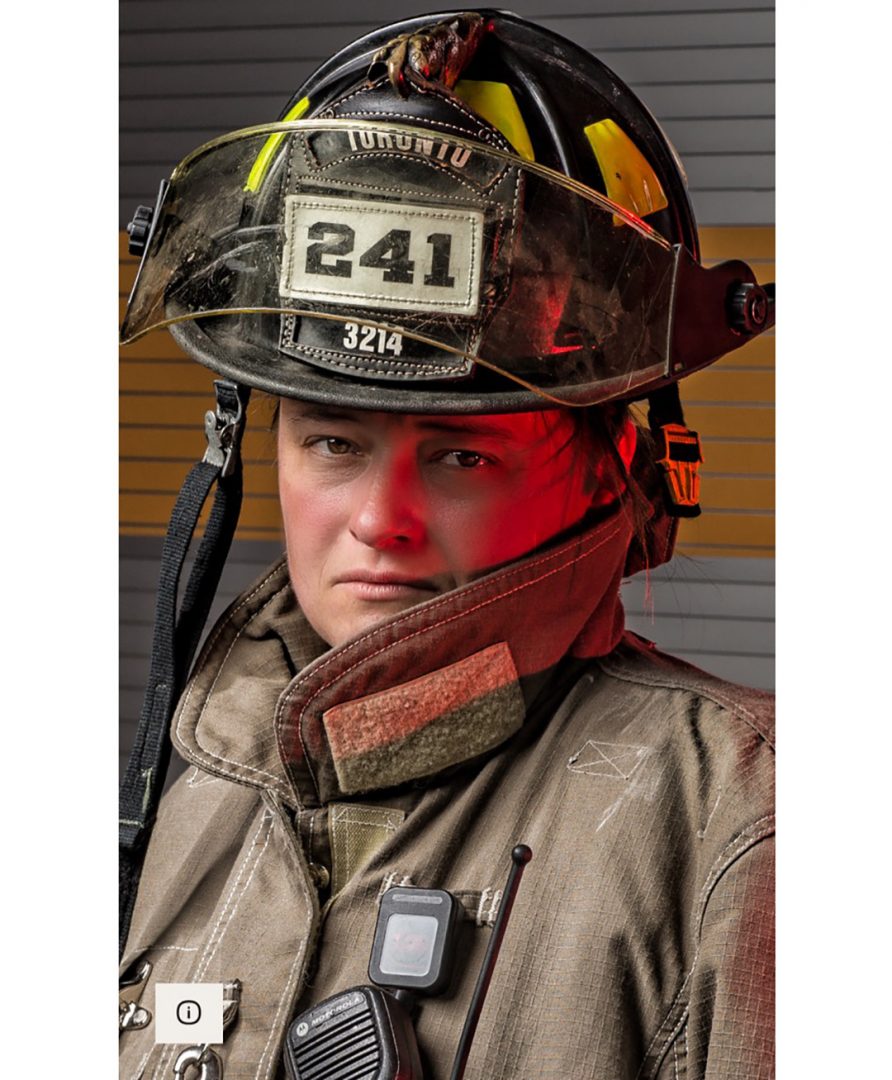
385 511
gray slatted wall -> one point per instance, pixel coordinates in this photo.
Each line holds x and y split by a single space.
193 69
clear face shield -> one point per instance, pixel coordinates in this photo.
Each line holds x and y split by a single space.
389 254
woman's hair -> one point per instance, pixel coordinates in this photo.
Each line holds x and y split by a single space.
600 430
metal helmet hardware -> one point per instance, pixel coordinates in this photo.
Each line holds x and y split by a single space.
138 229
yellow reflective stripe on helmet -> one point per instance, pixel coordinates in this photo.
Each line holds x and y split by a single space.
258 169
495 102
628 176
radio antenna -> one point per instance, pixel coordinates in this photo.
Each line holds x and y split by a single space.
520 856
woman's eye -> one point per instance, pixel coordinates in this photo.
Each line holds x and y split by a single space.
331 445
465 459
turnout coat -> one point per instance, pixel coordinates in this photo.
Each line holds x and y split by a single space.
514 709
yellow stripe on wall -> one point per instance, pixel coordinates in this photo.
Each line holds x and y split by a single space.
164 394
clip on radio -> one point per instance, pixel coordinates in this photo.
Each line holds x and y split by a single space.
366 1033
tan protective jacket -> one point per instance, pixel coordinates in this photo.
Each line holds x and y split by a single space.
511 710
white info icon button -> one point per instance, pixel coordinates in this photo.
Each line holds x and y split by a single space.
189 1013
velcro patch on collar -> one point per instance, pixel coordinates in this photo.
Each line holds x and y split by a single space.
426 725
356 834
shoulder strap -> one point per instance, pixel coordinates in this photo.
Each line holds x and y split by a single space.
176 635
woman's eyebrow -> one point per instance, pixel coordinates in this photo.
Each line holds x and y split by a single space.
323 413
448 425
469 426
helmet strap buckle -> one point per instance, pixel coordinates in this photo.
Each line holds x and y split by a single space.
223 428
681 460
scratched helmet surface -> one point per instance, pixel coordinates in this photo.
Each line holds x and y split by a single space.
457 213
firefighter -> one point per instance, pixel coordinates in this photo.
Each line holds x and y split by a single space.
455 261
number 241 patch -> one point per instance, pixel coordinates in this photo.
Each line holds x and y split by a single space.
382 255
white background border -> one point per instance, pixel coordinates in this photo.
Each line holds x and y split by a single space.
60 276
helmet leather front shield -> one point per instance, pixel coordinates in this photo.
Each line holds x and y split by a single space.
391 254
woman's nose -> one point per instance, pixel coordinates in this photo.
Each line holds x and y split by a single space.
388 510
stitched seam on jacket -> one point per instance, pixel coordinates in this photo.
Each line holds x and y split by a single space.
682 1054
197 777
224 623
425 630
165 948
288 993
208 755
140 1068
266 820
702 689
744 841
168 1052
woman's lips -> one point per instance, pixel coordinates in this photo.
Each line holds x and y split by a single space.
369 586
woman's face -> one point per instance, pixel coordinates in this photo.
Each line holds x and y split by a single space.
383 510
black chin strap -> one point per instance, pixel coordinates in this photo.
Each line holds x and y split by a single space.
176 635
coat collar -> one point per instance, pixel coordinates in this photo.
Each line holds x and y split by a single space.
427 689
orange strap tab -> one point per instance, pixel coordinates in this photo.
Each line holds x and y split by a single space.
682 457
